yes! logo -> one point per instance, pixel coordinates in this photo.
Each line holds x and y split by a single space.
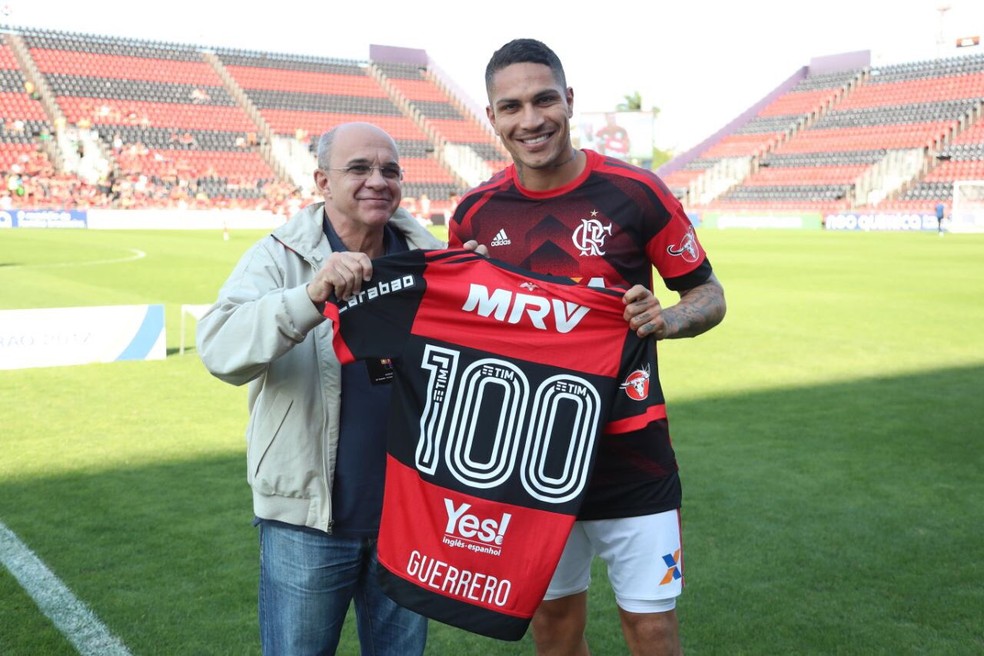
471 527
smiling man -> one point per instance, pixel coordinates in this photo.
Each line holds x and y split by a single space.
316 450
601 222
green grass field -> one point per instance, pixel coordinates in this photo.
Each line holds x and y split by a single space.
829 434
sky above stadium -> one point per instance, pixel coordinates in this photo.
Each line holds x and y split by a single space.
700 62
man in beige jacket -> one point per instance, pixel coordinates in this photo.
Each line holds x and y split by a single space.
316 431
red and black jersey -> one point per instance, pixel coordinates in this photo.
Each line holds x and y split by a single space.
609 227
505 384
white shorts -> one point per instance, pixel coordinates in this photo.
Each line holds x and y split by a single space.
644 556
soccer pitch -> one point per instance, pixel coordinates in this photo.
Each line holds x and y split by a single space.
828 432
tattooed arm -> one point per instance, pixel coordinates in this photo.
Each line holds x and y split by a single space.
699 309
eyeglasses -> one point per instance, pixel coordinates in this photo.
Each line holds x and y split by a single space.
364 171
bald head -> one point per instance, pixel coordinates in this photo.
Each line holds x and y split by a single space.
348 133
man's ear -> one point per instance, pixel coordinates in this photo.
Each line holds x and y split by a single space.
322 183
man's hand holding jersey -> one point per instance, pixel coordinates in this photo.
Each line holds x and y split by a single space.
342 275
699 309
345 271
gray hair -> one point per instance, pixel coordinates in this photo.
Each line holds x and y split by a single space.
324 149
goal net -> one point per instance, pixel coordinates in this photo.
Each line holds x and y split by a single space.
967 214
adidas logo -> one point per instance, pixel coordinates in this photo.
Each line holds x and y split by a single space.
501 239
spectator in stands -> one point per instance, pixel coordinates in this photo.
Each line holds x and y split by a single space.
409 203
630 516
30 90
200 96
14 181
316 446
452 206
424 209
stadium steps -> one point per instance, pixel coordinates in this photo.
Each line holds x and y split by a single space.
908 113
393 79
265 135
22 58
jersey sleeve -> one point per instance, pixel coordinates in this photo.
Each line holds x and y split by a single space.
675 250
455 239
459 226
656 218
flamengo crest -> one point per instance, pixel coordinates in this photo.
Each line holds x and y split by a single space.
590 236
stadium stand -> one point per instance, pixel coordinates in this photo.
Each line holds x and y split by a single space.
728 159
100 121
866 138
133 123
25 135
298 95
444 115
152 122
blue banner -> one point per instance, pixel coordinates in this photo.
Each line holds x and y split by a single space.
880 221
45 219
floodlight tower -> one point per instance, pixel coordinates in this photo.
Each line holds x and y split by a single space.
941 36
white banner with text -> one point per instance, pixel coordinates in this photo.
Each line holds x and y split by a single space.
84 335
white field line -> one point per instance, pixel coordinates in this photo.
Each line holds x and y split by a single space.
72 617
137 255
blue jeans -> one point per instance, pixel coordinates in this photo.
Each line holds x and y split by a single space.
307 581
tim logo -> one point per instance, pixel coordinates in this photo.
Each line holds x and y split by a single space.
687 249
636 384
590 237
543 313
672 567
471 527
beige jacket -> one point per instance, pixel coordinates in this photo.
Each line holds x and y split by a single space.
264 331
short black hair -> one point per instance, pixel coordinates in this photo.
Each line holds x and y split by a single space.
524 51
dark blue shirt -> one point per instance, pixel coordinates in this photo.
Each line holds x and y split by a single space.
360 465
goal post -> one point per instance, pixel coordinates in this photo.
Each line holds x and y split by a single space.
195 312
967 213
